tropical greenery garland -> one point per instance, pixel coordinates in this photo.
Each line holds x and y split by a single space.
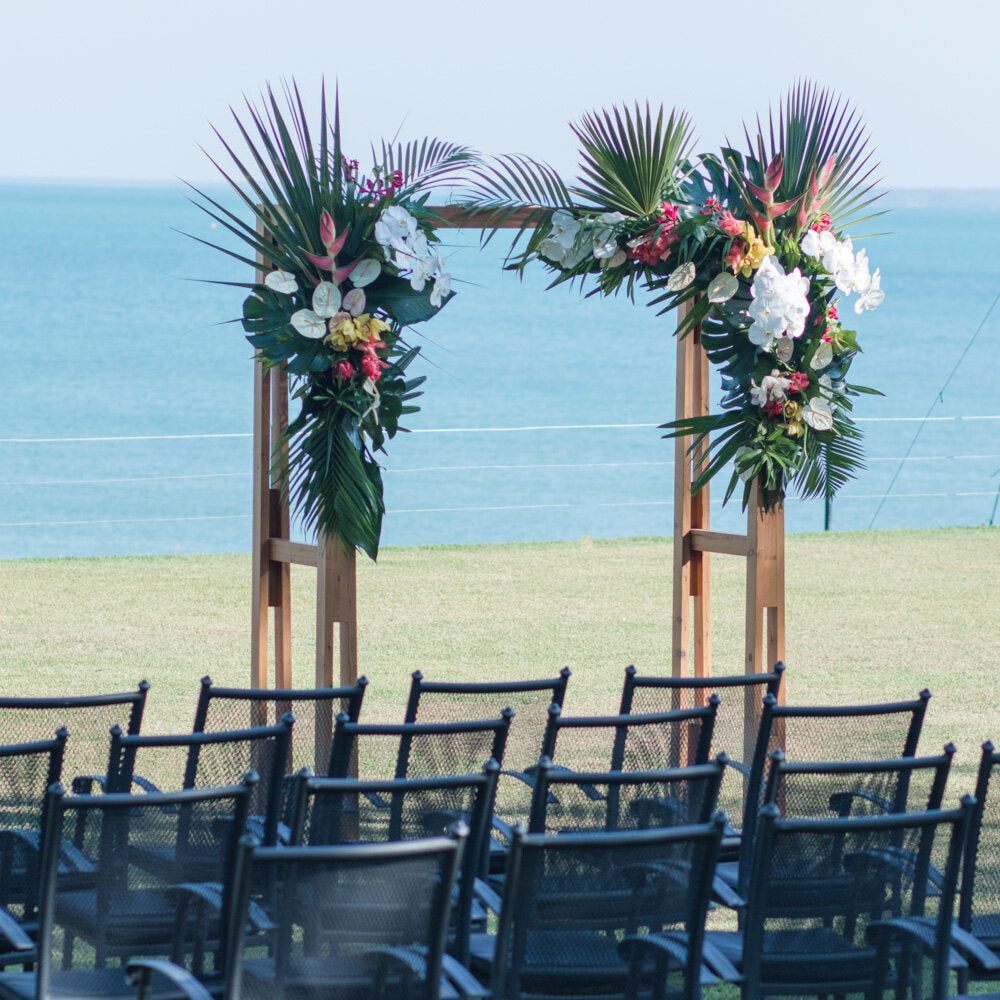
755 244
354 259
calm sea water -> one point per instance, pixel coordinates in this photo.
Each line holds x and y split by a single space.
125 414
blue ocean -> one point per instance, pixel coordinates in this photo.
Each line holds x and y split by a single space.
125 415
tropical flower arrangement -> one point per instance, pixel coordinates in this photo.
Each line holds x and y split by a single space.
755 244
353 260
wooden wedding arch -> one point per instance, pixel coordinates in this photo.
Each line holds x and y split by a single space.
763 545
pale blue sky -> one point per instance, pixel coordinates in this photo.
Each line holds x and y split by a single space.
117 89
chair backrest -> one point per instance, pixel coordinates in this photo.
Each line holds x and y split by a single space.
330 811
739 699
347 921
416 749
980 899
207 760
566 801
97 908
571 901
88 718
26 772
829 789
449 701
631 742
829 900
222 708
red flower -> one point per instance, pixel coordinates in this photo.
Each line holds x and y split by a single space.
372 366
822 223
711 205
735 256
343 370
831 314
798 381
774 408
728 223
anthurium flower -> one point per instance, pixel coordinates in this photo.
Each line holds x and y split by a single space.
281 281
354 302
308 324
722 287
366 271
823 356
817 414
326 299
681 277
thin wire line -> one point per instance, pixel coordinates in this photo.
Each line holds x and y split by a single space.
934 403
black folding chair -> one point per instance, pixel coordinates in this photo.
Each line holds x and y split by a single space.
344 811
606 914
739 699
840 906
373 751
222 708
979 906
85 935
88 719
26 772
204 760
343 923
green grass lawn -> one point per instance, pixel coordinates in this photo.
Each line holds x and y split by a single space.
871 616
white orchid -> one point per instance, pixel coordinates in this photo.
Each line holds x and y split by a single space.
563 245
818 414
421 271
602 235
779 306
441 289
873 296
281 281
395 228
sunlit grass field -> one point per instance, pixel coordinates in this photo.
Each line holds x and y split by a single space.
871 616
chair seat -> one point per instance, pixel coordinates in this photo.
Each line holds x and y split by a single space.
555 957
986 927
86 984
802 956
147 922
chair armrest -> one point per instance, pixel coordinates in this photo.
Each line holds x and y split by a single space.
672 946
211 894
918 929
485 895
726 895
139 971
464 982
15 934
971 947
738 765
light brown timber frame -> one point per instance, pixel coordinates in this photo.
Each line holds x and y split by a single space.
273 551
763 546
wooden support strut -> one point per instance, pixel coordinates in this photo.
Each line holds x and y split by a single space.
763 546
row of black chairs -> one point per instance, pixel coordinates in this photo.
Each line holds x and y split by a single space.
679 737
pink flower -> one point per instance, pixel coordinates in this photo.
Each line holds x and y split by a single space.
711 205
774 408
372 367
831 314
798 381
822 223
728 223
735 256
668 214
343 370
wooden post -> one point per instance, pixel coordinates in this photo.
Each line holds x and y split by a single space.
273 553
763 546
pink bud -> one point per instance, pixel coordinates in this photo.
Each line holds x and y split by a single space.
762 193
827 172
343 272
772 177
327 231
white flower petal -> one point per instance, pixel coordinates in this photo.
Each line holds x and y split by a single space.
326 299
723 287
681 277
365 273
281 281
354 302
308 324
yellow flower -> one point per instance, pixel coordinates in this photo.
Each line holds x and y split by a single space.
343 331
793 410
795 428
755 253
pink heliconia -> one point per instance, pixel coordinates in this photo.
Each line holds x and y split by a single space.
327 229
772 176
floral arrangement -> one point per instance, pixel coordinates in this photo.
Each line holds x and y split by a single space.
754 244
353 261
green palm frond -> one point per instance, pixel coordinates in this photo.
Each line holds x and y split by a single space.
630 163
426 163
831 464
